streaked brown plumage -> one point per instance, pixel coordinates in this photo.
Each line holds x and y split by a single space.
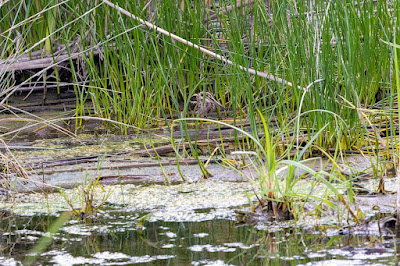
205 105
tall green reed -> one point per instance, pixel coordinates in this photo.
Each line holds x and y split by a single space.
141 75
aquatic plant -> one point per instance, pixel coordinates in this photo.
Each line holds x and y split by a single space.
88 206
277 180
135 76
298 43
397 82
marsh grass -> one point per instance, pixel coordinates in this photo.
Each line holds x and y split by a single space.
88 205
278 185
136 76
141 75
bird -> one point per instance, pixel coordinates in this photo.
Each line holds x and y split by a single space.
204 103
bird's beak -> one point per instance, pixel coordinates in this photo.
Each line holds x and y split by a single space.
220 105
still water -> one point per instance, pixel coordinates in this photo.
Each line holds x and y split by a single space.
121 238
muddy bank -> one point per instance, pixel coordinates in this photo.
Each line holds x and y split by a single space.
64 163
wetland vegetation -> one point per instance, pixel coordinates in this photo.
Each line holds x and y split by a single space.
281 115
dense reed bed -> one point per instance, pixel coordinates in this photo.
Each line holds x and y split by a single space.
136 76
339 91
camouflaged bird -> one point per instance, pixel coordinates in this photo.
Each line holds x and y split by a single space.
205 105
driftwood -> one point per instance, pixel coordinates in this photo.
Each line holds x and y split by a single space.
121 166
148 151
38 63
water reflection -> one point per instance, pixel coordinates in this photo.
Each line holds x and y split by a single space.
115 239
